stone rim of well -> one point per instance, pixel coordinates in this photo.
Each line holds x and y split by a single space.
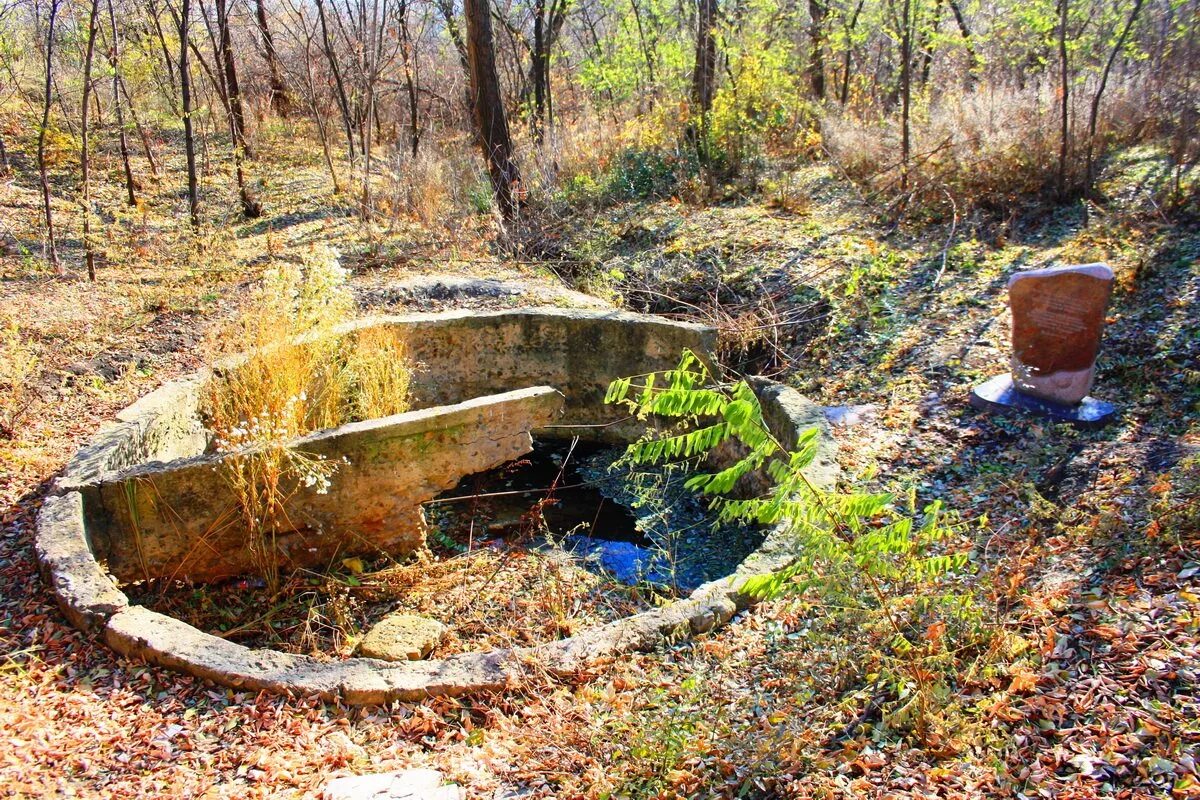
92 601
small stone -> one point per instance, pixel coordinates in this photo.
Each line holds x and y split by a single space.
401 637
409 784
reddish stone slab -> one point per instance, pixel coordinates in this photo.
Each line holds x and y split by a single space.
1058 319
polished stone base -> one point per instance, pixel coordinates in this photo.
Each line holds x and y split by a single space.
999 395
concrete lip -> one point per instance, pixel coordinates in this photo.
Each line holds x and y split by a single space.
506 375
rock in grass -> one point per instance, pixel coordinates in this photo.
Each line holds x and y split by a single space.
401 637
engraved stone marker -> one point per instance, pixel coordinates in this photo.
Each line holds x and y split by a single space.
1058 319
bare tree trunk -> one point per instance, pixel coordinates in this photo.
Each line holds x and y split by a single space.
547 25
410 85
185 91
538 70
152 12
281 102
927 43
114 60
314 106
251 207
370 71
89 255
1065 91
338 83
905 93
1094 115
490 119
52 250
647 50
4 168
704 75
968 43
816 53
844 96
233 90
446 7
147 147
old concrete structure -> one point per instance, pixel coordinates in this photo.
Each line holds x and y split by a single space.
181 519
467 359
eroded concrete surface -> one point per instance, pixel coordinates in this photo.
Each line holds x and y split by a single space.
181 520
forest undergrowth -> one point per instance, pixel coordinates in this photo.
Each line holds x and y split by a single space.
1083 548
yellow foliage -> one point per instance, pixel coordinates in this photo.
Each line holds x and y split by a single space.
288 373
18 361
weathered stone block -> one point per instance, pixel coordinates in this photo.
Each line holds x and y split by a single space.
182 519
401 637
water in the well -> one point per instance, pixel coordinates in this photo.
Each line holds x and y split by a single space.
638 526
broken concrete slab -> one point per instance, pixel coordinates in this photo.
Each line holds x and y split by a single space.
183 520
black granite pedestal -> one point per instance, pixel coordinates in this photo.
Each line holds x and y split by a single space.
999 395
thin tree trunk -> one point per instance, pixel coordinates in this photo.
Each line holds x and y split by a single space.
647 50
905 93
185 91
490 119
370 66
704 74
410 85
89 255
251 207
233 91
1065 91
1094 115
141 129
52 250
538 70
152 11
446 7
816 53
114 60
547 26
844 95
927 43
339 85
968 43
281 102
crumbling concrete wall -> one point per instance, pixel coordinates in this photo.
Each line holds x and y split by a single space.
183 520
579 352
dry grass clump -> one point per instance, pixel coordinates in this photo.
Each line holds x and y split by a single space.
420 186
991 149
379 380
18 365
291 375
571 151
494 597
289 379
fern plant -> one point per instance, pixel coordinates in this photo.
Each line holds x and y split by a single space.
856 549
